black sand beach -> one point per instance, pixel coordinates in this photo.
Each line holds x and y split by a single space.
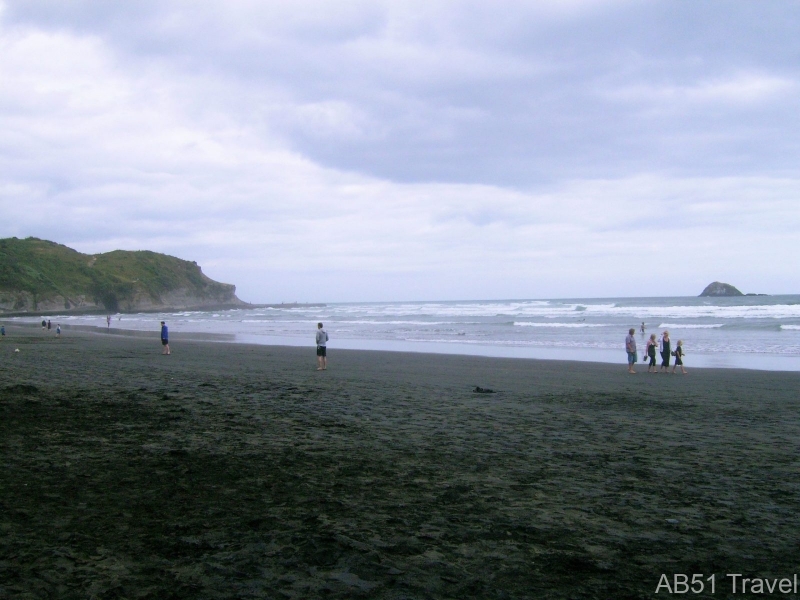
234 471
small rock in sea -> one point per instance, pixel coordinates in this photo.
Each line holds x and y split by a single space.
673 521
479 390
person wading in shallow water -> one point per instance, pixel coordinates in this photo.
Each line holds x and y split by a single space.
322 349
164 338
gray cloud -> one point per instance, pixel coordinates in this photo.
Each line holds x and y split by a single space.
293 147
456 92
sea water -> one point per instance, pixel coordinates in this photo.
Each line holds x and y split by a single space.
751 331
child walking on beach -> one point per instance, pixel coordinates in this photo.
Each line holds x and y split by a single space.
678 354
650 353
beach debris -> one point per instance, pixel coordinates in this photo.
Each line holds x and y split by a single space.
479 390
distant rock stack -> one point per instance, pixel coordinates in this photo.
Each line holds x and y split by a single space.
720 289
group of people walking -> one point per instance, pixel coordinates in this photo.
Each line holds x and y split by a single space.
664 345
47 325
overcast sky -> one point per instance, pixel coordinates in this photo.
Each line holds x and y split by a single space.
412 150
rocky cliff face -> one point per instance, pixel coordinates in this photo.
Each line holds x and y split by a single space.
720 289
180 299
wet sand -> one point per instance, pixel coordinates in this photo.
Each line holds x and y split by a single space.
237 471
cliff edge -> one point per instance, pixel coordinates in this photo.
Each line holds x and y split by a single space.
41 276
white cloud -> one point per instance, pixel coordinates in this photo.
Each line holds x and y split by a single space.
104 150
741 89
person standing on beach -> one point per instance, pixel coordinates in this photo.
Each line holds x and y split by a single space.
679 358
108 321
664 348
3 330
650 353
58 330
164 337
44 324
322 348
642 329
630 348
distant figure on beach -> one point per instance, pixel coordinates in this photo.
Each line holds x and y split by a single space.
678 354
322 349
650 354
630 348
664 348
642 328
58 330
3 330
44 324
108 321
164 338
48 324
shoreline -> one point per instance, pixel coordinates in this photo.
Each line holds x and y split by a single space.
754 362
102 311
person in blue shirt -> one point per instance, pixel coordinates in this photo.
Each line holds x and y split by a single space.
164 338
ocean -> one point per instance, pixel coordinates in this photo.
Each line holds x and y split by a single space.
760 332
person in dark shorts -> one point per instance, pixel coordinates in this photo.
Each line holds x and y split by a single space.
678 354
322 348
164 338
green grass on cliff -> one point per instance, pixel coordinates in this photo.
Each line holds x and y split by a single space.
47 270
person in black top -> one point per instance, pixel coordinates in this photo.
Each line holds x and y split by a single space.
664 347
678 354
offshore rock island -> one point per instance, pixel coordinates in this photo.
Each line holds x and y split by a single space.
42 276
718 289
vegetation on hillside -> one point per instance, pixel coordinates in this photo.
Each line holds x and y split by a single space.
46 272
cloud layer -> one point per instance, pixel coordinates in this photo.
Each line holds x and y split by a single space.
379 151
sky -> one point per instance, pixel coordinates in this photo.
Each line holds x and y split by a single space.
319 151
